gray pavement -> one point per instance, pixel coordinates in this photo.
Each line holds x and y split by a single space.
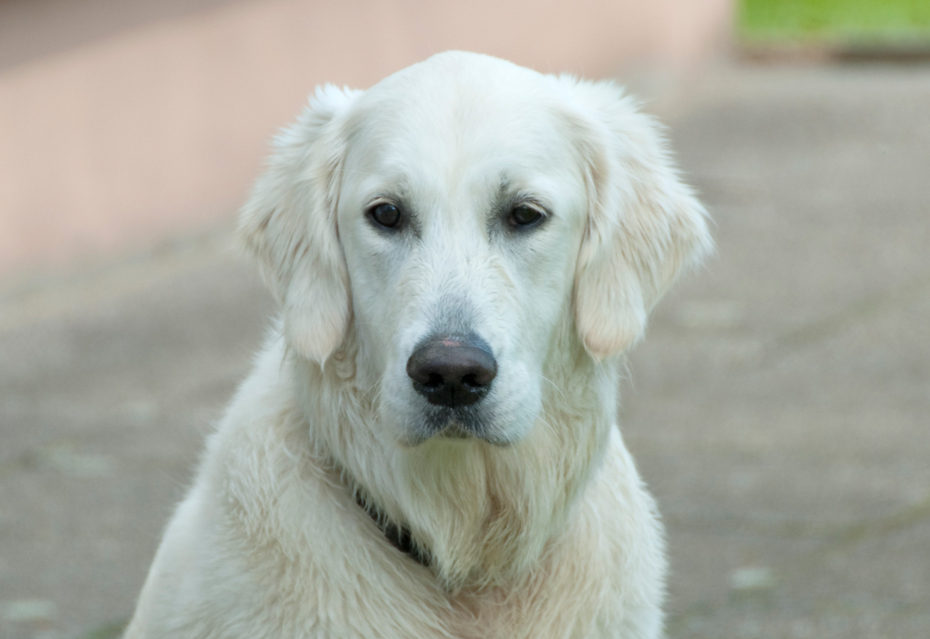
778 408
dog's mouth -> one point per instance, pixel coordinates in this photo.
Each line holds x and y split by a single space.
456 430
456 424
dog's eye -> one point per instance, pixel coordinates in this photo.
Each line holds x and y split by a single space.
523 216
386 215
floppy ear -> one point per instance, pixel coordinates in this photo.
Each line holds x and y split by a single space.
644 224
289 225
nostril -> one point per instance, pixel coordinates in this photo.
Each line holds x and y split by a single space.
435 381
471 381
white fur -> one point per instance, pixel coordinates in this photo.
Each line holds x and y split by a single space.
539 528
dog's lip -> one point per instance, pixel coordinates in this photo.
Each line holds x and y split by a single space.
452 431
457 432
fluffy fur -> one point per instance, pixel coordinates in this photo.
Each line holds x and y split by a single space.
538 525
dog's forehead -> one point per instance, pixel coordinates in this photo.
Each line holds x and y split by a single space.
461 110
460 84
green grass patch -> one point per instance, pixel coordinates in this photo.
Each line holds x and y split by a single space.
112 630
834 20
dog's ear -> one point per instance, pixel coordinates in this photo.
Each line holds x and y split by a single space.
644 224
289 225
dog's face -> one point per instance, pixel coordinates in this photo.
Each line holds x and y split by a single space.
460 214
475 224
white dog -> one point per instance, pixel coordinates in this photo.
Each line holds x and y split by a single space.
427 445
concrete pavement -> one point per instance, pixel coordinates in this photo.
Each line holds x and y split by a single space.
778 408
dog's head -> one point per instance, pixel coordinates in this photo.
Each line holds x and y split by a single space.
474 225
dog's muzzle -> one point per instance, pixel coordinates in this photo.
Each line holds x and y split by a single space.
452 371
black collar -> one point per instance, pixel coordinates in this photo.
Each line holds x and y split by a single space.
398 536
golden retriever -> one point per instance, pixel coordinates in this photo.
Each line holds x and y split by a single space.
427 445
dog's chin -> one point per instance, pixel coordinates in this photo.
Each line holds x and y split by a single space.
455 431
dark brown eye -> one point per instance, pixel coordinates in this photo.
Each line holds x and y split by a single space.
386 215
522 216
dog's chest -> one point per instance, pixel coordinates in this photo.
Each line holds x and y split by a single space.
533 609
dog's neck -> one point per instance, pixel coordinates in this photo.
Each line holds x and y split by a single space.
398 535
483 514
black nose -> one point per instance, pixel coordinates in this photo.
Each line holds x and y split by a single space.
452 371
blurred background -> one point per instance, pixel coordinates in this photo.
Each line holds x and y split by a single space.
778 408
